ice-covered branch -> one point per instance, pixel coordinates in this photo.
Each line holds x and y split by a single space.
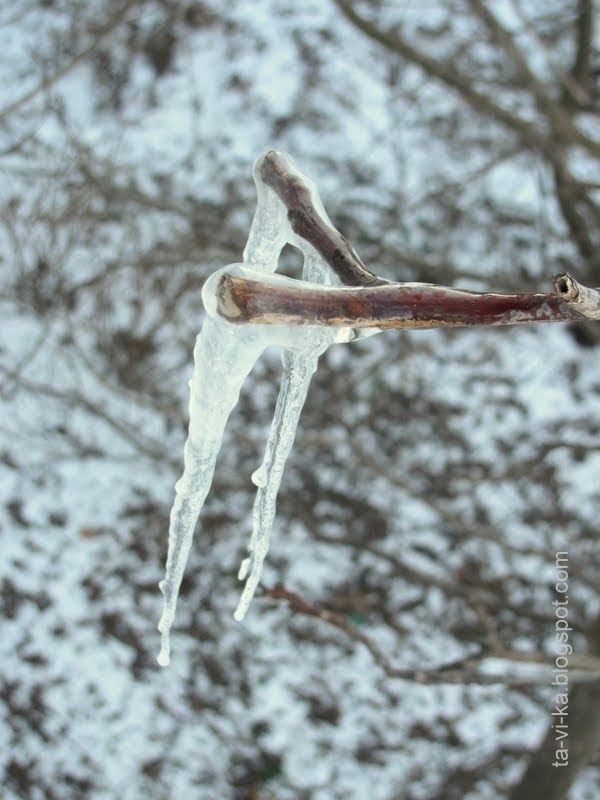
337 300
365 300
242 296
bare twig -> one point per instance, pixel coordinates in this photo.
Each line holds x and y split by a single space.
463 670
585 300
60 73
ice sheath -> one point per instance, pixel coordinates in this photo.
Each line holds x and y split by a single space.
223 356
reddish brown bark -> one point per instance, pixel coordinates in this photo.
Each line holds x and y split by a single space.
268 301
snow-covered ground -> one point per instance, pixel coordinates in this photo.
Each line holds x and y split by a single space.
433 473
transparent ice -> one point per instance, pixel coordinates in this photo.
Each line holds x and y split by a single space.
223 356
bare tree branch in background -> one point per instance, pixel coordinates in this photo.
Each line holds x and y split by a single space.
48 82
552 136
465 669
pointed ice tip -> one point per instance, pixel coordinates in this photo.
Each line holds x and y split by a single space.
164 658
259 477
164 661
243 570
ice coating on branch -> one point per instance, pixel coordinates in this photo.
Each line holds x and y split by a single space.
223 356
270 229
299 364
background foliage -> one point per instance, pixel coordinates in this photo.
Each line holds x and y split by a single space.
435 473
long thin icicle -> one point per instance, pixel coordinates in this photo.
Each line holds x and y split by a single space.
298 371
299 365
221 364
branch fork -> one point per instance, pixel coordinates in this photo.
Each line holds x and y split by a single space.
364 299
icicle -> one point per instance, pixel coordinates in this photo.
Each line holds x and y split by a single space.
299 365
223 357
222 363
299 369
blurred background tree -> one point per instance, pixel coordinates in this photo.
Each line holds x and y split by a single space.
435 474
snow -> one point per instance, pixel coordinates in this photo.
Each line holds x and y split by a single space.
398 431
222 360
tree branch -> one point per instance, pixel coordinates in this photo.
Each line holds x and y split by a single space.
463 670
246 295
60 73
298 196
447 74
561 122
580 71
529 133
271 300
